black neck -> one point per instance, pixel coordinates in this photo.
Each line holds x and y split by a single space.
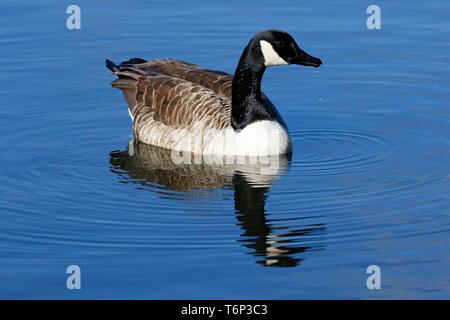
247 104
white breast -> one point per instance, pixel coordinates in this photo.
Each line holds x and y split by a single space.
261 138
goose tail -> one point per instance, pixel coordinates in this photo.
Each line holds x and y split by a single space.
129 64
128 69
127 76
112 66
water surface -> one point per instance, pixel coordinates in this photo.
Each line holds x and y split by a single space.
368 182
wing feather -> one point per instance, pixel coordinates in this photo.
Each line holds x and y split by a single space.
217 81
164 104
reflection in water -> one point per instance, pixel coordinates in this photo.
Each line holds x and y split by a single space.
274 244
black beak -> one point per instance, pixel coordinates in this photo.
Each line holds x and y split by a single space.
304 59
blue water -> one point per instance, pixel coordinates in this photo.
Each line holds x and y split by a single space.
368 182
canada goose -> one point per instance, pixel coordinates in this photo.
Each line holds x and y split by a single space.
180 106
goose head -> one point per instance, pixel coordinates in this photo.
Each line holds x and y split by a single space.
276 47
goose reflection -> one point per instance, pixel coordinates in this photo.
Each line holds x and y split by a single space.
251 179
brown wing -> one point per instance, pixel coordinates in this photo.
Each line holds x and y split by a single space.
159 104
217 81
179 103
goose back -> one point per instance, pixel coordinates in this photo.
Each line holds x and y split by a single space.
217 81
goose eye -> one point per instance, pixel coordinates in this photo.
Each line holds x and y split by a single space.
279 44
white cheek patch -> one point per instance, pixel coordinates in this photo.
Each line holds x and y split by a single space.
271 57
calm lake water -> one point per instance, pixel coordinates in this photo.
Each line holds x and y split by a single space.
368 182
